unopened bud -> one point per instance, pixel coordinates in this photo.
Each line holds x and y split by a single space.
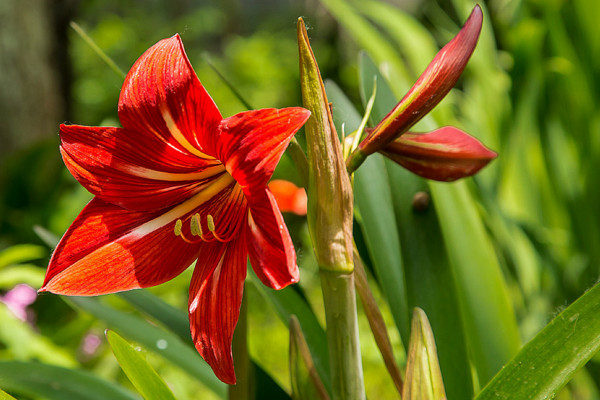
446 154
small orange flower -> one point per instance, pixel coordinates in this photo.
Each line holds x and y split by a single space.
290 198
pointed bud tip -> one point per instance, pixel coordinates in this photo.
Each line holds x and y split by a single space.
433 85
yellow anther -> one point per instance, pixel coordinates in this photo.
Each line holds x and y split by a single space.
178 226
195 225
210 222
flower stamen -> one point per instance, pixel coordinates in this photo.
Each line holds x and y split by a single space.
178 226
196 225
178 230
211 223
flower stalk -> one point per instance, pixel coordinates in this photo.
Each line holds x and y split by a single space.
330 211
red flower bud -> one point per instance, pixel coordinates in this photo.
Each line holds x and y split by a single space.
446 154
431 87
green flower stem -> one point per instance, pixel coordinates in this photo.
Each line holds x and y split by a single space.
355 160
330 216
342 335
244 388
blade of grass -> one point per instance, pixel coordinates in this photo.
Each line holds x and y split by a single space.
82 34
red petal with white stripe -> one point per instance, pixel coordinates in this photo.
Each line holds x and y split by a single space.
109 249
115 165
251 143
163 97
214 303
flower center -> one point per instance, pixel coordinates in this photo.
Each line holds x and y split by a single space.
217 218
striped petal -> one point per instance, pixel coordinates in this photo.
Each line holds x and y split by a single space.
109 249
270 247
114 165
251 143
446 154
214 303
163 97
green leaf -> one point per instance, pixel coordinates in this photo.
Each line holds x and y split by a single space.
57 383
145 379
19 341
153 338
489 319
21 253
370 39
288 302
175 319
5 396
28 274
415 42
375 214
374 204
429 277
548 361
306 383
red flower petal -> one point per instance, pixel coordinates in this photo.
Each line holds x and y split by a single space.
214 303
251 143
163 97
445 154
431 87
270 247
116 166
109 249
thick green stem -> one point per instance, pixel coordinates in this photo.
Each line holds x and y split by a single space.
330 225
342 335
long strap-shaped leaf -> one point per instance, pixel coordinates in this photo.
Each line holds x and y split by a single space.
57 383
550 359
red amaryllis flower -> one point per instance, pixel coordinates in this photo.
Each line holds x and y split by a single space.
178 183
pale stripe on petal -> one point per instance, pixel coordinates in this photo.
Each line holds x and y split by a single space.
186 207
174 177
178 136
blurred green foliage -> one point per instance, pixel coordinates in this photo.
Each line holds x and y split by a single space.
531 92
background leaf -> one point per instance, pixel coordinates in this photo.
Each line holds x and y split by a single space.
155 339
57 383
145 379
549 361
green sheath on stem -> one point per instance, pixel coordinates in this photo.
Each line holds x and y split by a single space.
329 188
330 211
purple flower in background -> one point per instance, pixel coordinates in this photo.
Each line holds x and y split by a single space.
18 299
